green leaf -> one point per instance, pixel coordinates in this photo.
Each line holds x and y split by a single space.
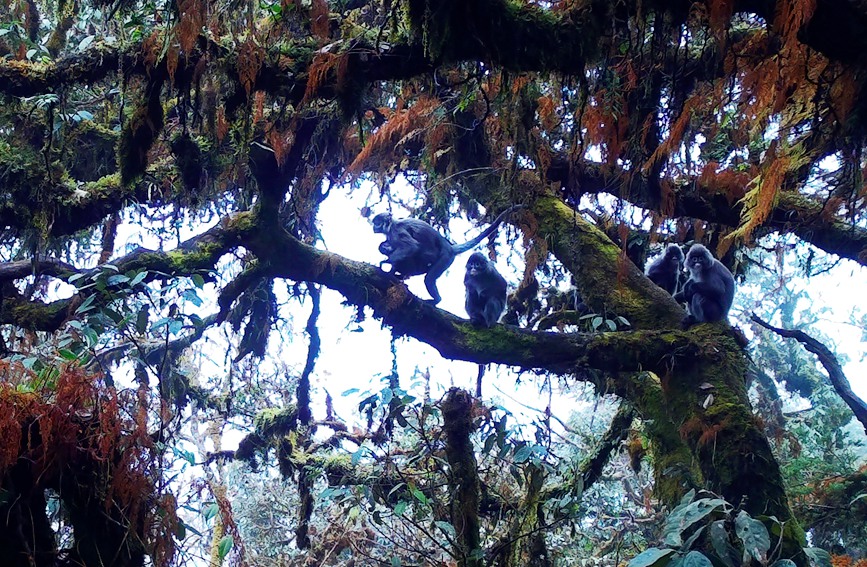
395 561
86 305
400 508
783 563
85 43
649 557
719 539
198 280
117 279
418 495
818 557
67 354
193 297
696 559
211 511
139 277
387 396
225 546
356 456
141 320
523 454
447 528
754 535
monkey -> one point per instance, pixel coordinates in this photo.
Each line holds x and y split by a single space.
486 291
710 289
414 247
665 270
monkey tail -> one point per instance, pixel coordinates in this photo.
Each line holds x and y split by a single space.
459 248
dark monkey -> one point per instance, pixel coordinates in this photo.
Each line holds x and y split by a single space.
486 291
665 270
710 289
414 247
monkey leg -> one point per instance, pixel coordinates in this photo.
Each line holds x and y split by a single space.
437 268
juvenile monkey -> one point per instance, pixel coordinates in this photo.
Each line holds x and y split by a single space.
665 270
710 289
414 247
486 291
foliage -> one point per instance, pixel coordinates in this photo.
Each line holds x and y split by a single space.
179 299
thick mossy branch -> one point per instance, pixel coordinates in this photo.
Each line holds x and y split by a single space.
515 35
195 255
606 280
23 78
793 213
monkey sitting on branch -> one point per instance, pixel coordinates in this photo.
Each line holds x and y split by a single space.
710 289
665 270
486 291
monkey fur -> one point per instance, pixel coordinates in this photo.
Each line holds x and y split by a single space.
486 291
665 270
710 289
414 247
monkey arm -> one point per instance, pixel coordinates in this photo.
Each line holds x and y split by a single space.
713 287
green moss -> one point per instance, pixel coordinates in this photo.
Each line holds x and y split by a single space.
275 421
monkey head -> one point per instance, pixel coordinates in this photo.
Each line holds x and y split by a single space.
698 260
382 223
674 254
477 264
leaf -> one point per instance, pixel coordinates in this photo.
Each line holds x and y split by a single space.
211 511
650 557
225 546
400 508
696 559
86 305
719 538
522 454
193 297
818 557
116 279
85 43
446 527
418 495
67 354
198 280
356 456
139 277
755 536
783 563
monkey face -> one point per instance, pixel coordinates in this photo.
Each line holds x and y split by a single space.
674 253
381 223
698 260
477 264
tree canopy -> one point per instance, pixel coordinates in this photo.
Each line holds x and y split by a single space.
217 129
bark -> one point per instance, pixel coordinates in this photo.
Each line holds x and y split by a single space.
463 477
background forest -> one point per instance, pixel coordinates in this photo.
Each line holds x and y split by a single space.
203 364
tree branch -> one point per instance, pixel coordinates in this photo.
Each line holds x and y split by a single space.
829 361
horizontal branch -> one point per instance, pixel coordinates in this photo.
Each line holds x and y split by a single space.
794 213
